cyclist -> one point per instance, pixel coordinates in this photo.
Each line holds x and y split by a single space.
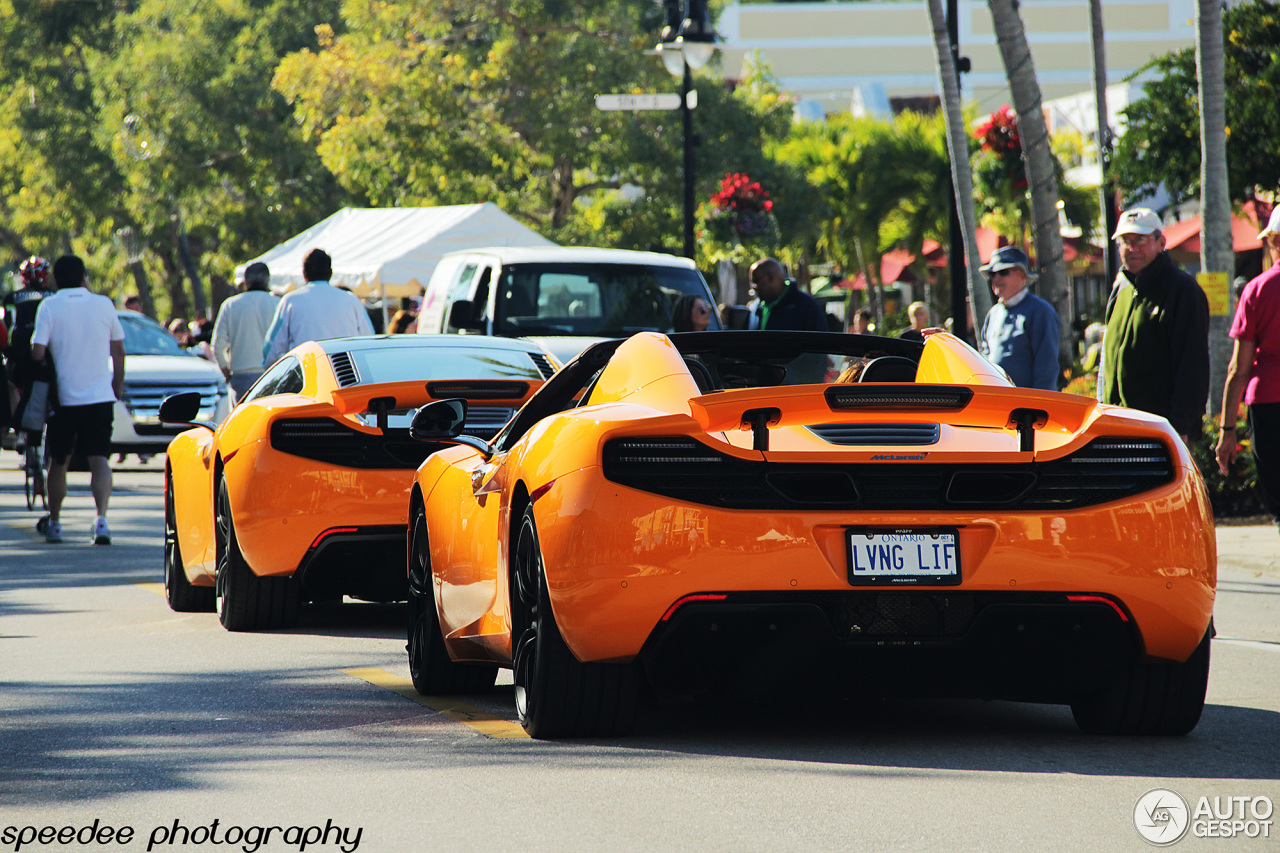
20 321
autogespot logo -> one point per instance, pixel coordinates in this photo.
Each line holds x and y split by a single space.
1161 817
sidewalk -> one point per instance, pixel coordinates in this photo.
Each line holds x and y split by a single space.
1249 548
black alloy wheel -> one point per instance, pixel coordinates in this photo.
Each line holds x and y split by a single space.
246 602
556 695
181 594
433 672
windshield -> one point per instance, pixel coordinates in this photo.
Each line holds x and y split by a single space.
598 300
398 364
143 336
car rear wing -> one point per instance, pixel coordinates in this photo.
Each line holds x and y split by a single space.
382 398
1020 410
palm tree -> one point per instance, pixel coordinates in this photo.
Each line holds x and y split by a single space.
1217 254
1038 156
1106 192
958 148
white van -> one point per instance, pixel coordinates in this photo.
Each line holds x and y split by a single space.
563 298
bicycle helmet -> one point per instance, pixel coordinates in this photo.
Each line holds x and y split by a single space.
34 271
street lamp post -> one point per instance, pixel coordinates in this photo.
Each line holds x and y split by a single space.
687 42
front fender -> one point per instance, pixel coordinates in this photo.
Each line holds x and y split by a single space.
190 463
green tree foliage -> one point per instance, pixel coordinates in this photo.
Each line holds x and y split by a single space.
462 101
883 184
205 147
1000 180
1162 139
54 182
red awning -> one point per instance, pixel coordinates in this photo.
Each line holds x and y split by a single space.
891 266
1185 235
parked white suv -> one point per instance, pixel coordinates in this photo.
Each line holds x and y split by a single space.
155 367
563 298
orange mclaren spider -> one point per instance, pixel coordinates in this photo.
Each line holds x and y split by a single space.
300 494
692 511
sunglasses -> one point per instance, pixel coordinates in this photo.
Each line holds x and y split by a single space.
1003 272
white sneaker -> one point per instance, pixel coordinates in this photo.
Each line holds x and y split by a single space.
52 530
101 533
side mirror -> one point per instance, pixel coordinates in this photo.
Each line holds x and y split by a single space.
182 409
442 422
462 315
439 420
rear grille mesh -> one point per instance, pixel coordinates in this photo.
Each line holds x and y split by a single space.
326 440
485 421
680 468
864 433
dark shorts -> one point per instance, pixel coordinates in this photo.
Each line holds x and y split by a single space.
86 429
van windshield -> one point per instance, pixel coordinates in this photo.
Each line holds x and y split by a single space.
597 300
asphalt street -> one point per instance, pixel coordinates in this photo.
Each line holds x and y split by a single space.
117 710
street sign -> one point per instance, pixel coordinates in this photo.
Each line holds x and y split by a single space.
648 101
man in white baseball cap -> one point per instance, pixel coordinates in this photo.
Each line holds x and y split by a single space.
1273 225
1156 348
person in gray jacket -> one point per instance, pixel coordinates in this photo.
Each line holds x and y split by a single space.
241 329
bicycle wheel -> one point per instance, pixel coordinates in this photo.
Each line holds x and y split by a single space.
34 476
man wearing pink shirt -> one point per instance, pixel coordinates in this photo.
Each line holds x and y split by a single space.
1255 374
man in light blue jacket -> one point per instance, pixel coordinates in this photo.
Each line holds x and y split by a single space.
1021 331
316 312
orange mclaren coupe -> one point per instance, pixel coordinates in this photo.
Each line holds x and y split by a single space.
694 511
300 493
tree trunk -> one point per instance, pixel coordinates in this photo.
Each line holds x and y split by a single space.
1217 253
961 173
179 303
144 288
1106 192
1038 159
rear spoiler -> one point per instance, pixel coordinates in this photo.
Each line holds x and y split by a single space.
1020 410
359 399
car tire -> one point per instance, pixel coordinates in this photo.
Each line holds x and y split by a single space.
433 672
182 596
246 602
1149 698
557 696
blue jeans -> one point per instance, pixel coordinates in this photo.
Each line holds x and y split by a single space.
242 380
1264 437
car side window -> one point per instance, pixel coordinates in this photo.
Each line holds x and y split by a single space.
271 381
292 382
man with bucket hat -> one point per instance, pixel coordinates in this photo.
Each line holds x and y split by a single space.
1020 332
1156 349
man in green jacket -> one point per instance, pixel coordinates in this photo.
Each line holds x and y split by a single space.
1156 348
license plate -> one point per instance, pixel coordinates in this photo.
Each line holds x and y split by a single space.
904 556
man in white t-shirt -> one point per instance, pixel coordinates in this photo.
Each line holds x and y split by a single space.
83 335
316 312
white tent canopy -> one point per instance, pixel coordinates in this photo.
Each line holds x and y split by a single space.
392 251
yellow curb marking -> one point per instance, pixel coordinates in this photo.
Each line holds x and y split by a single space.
150 586
485 723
